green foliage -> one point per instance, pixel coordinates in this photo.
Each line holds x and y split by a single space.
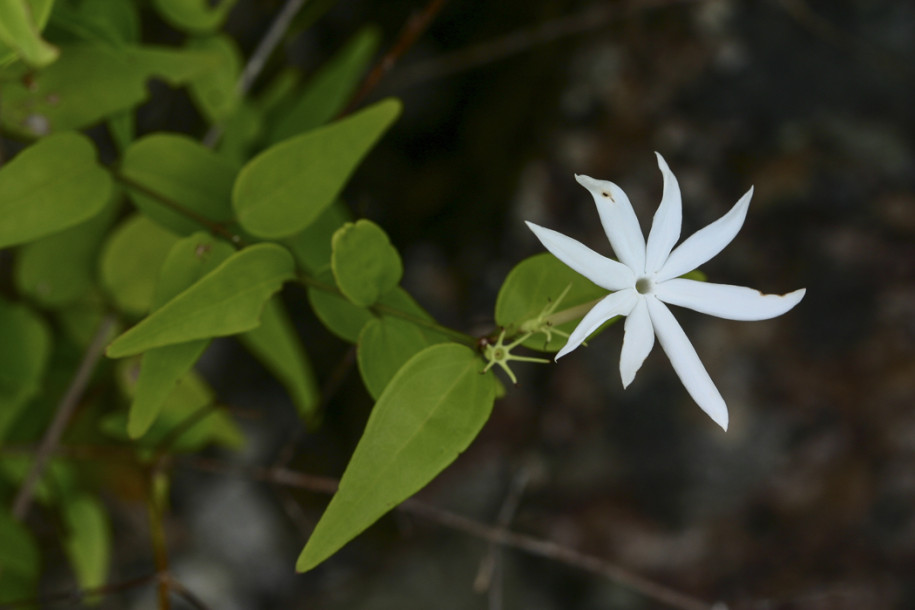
365 264
535 286
50 186
130 263
385 345
19 560
216 91
328 90
285 188
180 241
226 301
195 182
275 344
20 32
90 82
188 422
194 15
345 319
24 353
87 540
428 414
162 368
58 270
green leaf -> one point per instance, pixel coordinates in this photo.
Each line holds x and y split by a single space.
19 560
226 301
130 262
24 353
364 262
312 246
277 346
345 319
286 187
59 269
328 91
535 284
110 23
385 345
194 15
50 186
174 423
89 83
215 92
20 32
183 171
429 413
88 539
161 368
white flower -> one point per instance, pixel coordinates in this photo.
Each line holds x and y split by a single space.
647 276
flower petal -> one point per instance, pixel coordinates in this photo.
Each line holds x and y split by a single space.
619 220
605 272
616 304
705 243
726 301
665 228
637 342
686 362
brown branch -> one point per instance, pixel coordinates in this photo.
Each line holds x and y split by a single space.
409 34
521 40
64 412
74 597
215 228
493 534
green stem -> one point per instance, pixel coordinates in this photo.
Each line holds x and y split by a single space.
572 313
215 228
385 310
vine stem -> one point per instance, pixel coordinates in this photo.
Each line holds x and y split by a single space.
64 412
498 535
258 59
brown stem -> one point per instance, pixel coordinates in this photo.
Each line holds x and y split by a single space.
409 34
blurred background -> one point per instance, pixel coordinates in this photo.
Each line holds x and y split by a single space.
807 502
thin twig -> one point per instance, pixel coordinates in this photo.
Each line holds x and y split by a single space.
73 597
213 227
331 386
64 412
493 534
159 544
409 34
258 59
521 40
186 594
487 578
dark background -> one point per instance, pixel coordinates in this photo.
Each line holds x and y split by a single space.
806 502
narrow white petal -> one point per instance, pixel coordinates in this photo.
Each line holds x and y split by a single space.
616 304
686 362
705 243
637 342
726 301
619 221
605 272
665 228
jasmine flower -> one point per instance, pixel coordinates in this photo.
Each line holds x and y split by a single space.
646 279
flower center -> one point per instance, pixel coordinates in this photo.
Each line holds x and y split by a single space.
644 285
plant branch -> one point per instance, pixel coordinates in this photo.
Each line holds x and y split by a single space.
409 34
215 228
258 59
64 412
493 534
